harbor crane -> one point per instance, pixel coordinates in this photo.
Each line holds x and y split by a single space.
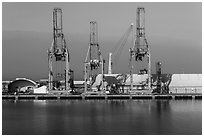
140 49
117 49
58 54
93 61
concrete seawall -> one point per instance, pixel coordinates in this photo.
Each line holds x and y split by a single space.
96 97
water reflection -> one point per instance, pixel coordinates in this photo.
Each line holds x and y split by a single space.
102 117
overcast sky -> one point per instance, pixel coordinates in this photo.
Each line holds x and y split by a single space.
173 31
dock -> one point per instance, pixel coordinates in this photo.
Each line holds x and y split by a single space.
101 96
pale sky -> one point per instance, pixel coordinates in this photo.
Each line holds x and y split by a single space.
173 31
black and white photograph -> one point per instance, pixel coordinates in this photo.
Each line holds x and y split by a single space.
102 68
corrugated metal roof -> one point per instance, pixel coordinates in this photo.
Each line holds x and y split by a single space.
179 80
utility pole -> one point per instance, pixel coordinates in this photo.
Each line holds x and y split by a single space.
158 73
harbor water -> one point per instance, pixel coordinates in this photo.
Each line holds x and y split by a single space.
106 117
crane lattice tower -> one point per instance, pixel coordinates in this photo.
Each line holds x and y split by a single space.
58 54
140 50
93 61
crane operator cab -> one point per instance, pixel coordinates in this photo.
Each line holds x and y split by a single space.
94 64
140 54
60 54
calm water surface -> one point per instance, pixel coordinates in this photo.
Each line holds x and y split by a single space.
97 117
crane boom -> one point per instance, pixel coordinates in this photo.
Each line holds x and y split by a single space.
117 50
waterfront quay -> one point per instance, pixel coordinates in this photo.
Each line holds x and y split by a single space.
100 96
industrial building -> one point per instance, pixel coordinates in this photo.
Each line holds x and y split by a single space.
22 85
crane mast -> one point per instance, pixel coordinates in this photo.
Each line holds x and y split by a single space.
140 48
58 54
93 60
